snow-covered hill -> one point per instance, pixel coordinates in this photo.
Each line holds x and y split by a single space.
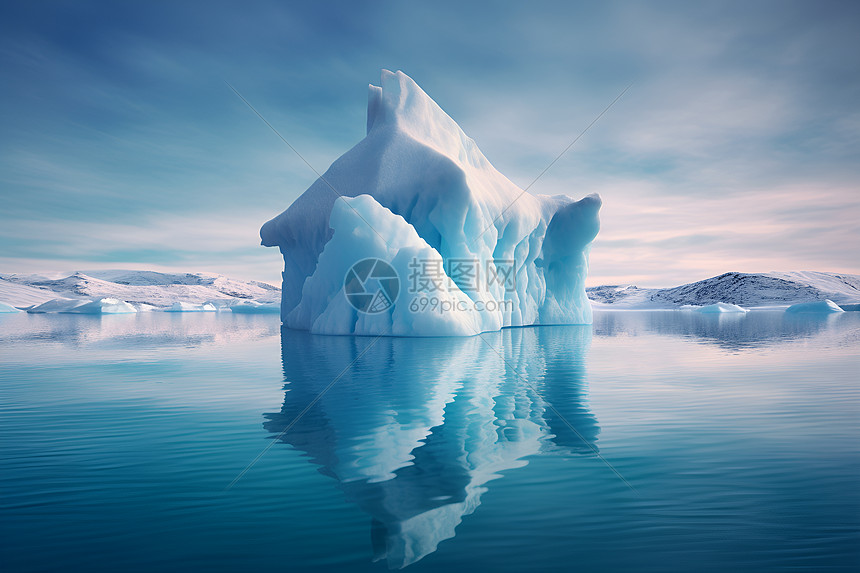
136 287
744 289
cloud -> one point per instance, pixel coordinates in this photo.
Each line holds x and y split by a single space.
675 241
736 148
215 241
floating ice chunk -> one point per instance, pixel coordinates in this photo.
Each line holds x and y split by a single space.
103 306
254 307
191 307
721 307
820 306
57 305
4 308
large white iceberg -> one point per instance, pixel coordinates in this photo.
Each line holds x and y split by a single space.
463 249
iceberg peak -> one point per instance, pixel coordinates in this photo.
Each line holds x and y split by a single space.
418 194
401 104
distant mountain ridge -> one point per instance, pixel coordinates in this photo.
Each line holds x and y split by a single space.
138 287
164 289
743 289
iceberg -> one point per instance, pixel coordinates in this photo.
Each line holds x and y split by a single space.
57 305
103 306
820 306
720 308
83 306
180 306
413 232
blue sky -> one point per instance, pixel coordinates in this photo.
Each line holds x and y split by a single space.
736 148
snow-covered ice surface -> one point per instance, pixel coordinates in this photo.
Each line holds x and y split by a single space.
821 306
7 308
748 290
144 290
417 192
21 294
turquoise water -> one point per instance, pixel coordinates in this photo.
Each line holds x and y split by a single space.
654 441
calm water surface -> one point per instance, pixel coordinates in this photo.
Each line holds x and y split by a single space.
654 441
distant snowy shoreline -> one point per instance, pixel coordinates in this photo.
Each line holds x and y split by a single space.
115 292
124 291
748 290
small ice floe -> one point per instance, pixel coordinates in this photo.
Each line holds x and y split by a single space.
819 306
721 307
191 307
4 308
254 307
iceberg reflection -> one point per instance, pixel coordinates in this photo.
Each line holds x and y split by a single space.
413 429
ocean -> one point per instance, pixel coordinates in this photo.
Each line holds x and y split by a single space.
648 441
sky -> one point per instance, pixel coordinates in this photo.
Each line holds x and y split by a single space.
736 148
